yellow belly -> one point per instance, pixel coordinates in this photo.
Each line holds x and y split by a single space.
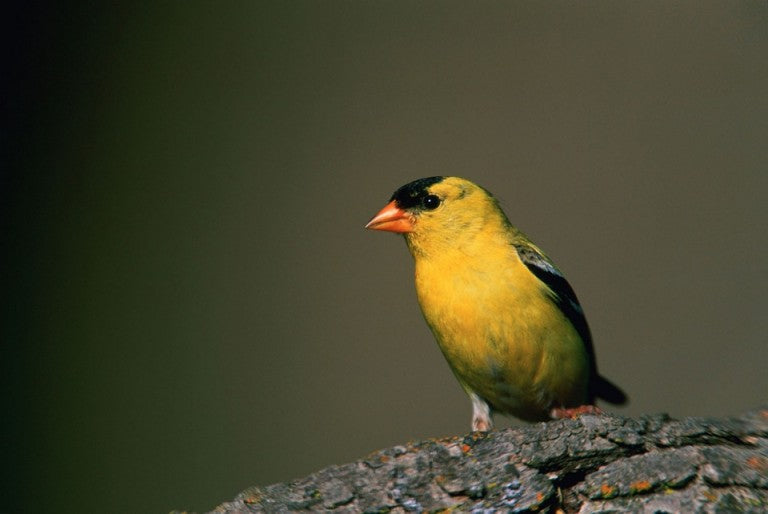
504 338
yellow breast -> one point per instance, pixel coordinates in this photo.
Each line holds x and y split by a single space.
502 335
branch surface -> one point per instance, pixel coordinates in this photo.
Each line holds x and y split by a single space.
594 463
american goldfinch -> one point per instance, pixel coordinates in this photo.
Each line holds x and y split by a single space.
505 318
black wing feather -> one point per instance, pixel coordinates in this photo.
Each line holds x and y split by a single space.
564 297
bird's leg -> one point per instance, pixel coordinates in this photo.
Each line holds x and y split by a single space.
481 414
574 412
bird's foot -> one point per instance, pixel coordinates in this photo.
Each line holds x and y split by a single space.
574 412
481 425
481 414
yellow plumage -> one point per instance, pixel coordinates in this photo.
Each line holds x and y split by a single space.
508 324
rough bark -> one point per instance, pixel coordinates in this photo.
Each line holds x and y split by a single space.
591 464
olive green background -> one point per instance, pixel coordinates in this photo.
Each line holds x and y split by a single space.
191 305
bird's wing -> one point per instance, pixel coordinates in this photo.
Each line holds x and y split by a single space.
564 297
561 293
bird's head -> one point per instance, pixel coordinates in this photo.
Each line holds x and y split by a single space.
439 212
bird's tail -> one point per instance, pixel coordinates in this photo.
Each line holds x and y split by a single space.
608 391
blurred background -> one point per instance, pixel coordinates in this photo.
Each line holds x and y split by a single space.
190 304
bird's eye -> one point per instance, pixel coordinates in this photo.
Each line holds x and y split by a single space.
431 202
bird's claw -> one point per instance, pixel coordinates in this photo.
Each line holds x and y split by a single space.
574 412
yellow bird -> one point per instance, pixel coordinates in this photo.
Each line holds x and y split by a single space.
505 318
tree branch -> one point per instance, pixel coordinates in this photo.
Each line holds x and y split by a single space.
590 464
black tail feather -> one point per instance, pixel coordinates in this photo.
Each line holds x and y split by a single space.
609 392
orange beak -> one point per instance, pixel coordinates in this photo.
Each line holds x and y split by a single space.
392 219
